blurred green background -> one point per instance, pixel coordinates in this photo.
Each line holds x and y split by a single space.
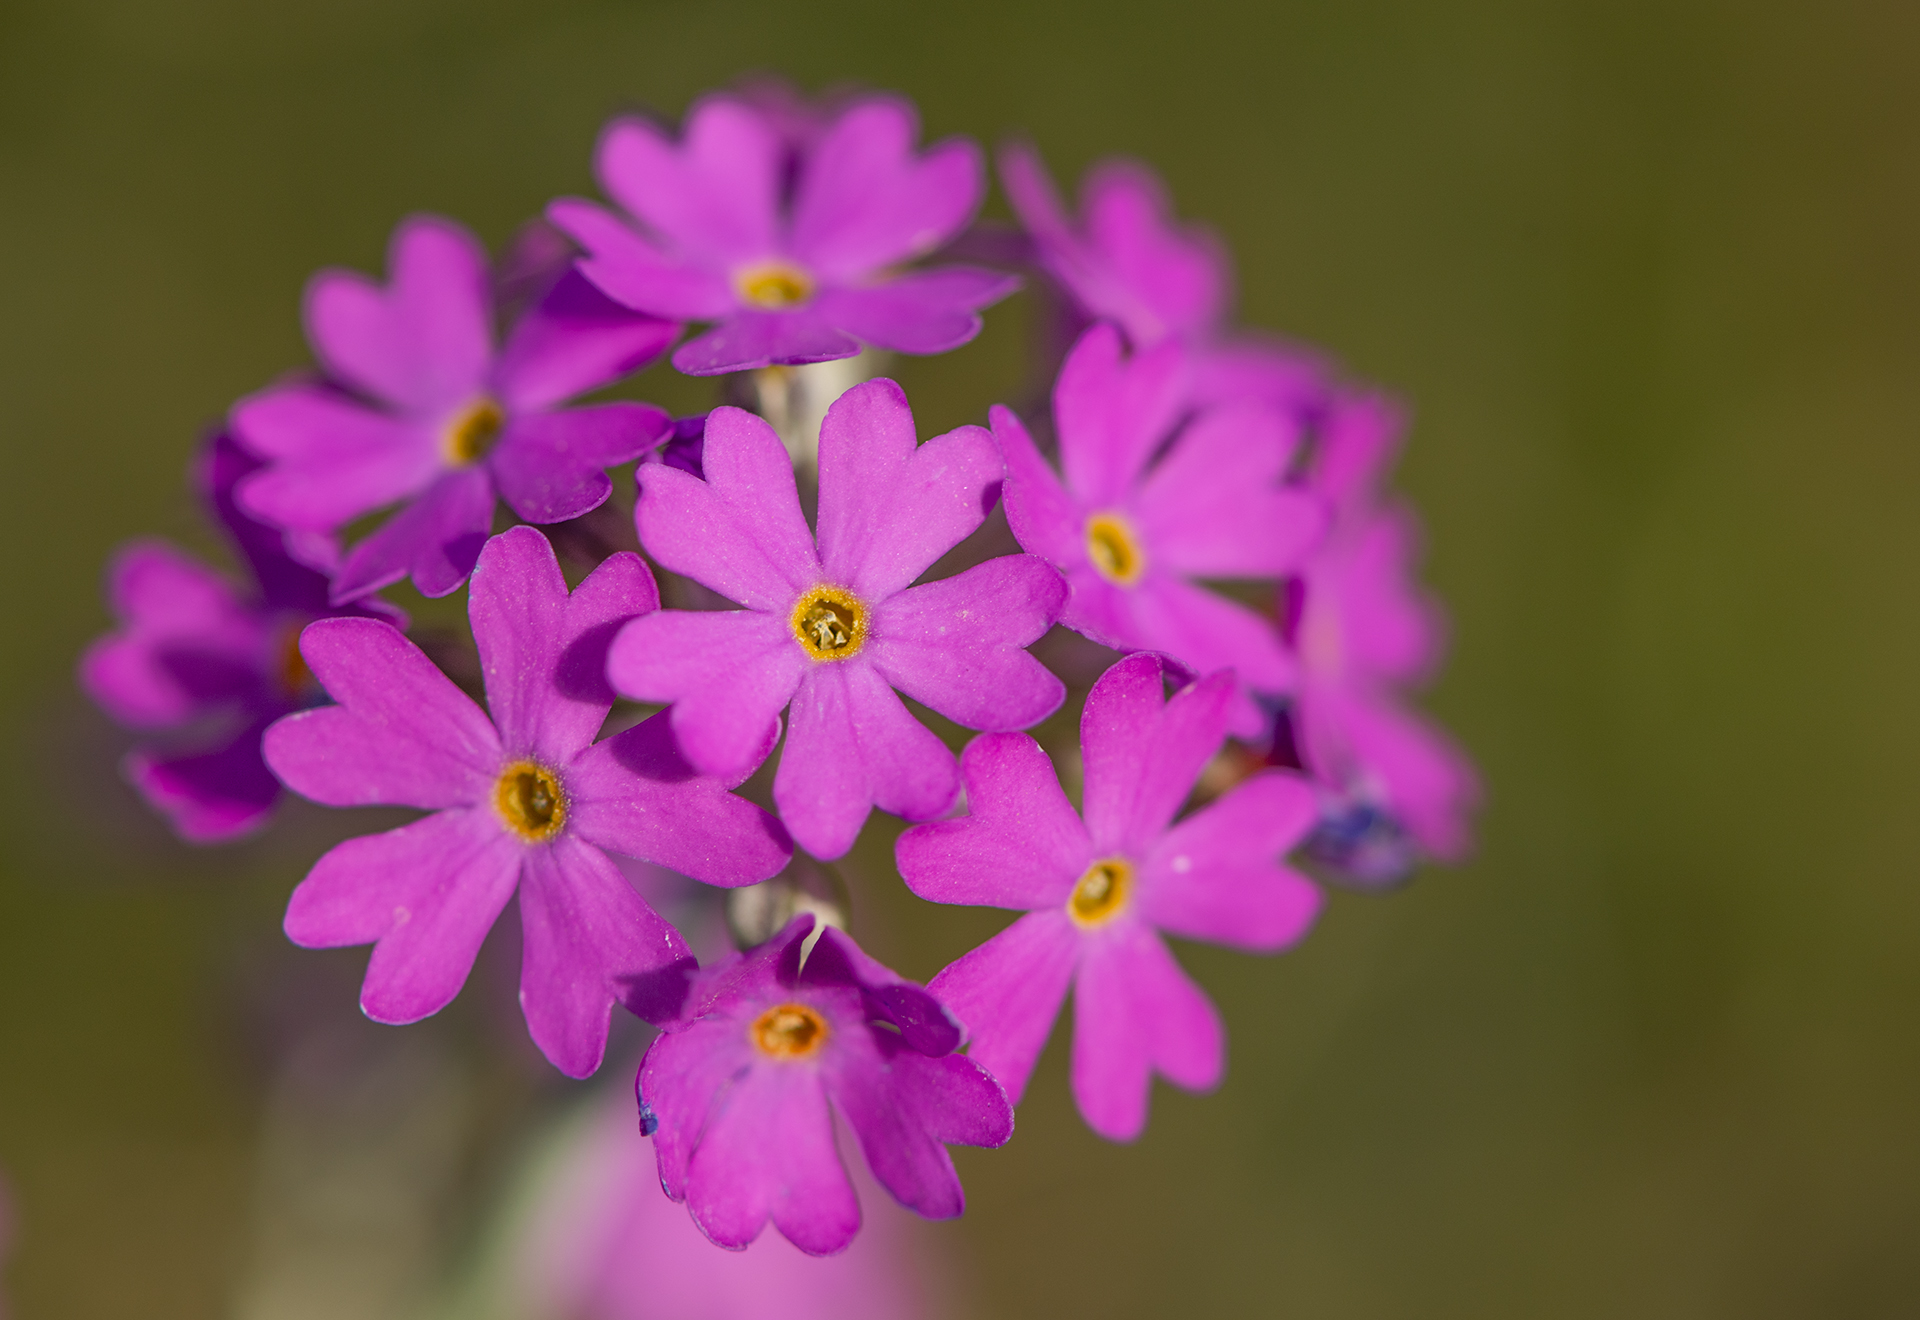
1649 273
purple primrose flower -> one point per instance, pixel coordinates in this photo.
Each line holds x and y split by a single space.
789 241
740 1094
526 798
835 629
193 653
1363 631
419 407
1132 531
1099 891
1130 264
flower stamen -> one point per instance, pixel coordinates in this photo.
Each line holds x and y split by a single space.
773 286
472 432
830 623
789 1031
1100 894
529 799
1115 549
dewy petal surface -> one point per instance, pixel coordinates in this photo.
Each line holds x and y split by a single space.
402 735
427 893
728 673
889 507
590 941
1217 876
1009 991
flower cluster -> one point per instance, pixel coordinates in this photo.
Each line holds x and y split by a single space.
1204 505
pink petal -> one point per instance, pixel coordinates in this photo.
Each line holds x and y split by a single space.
1135 1012
169 604
713 195
425 342
402 734
633 272
435 540
728 673
208 796
905 1109
329 459
427 893
767 1152
740 531
575 339
591 941
1177 278
1008 992
1019 846
1046 519
1113 414
1142 758
551 466
1217 875
889 507
1358 444
929 311
747 341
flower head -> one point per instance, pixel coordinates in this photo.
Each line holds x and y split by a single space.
1132 532
420 408
525 798
1100 888
1363 631
194 650
740 1093
834 625
1128 262
788 240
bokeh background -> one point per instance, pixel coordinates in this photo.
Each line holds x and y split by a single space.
1649 274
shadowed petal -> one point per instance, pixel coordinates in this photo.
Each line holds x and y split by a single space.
746 341
575 339
1008 992
1045 518
1217 875
552 466
435 540
591 940
427 892
728 673
767 1152
208 796
1020 846
928 311
186 641
888 509
904 1113
633 272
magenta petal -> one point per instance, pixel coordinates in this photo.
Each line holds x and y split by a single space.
427 892
903 1112
1008 992
1214 506
575 339
740 531
728 673
402 734
1176 278
1278 373
591 940
1429 784
865 201
1134 1011
1045 519
1359 441
1206 631
746 341
542 653
551 466
851 744
330 459
928 311
889 507
1216 875
686 1068
767 1152
208 796
1111 414
633 272
186 642
435 540
1142 758
957 645
425 342
1020 846
925 1025
715 194
1387 627
635 794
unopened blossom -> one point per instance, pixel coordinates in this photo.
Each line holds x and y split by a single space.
209 660
790 243
1149 501
1100 888
523 799
1364 632
740 1094
420 409
833 625
1129 262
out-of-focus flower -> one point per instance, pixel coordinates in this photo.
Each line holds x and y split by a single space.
1137 519
216 662
740 1093
1099 891
419 407
790 242
834 629
524 799
1363 631
1130 263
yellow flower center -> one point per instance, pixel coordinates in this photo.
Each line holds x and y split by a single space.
773 286
1100 894
1114 549
831 623
529 799
790 1031
472 431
